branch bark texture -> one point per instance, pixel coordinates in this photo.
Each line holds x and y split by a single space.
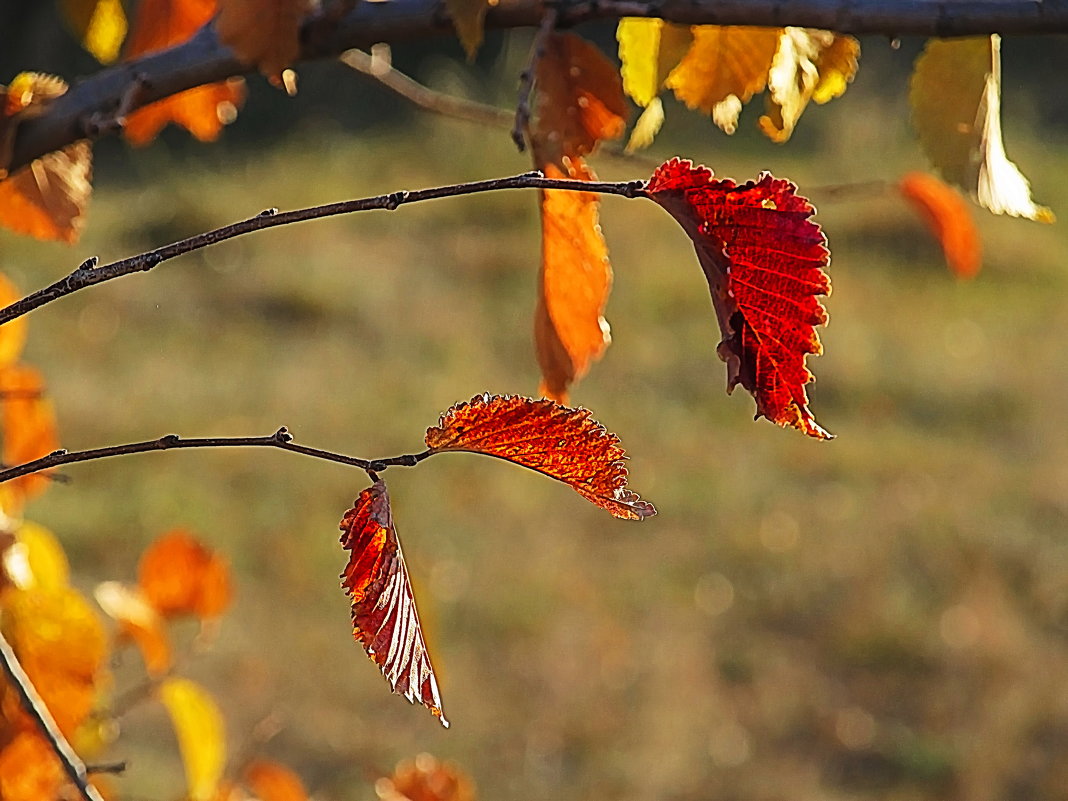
203 59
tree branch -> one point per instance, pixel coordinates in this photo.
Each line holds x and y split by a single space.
89 274
35 707
203 59
280 439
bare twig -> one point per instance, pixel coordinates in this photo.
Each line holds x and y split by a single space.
88 274
280 439
521 128
107 767
35 707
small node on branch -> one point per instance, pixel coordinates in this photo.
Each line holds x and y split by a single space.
373 474
268 212
635 189
376 466
282 435
395 199
151 260
88 264
57 452
169 440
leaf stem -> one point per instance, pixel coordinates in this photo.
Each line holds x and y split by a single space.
89 274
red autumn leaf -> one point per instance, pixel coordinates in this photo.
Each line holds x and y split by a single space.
945 211
763 257
557 441
384 617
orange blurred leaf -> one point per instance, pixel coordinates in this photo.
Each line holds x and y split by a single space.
29 423
270 781
947 214
179 575
12 334
201 734
139 621
426 778
29 768
384 617
763 258
262 33
557 441
203 110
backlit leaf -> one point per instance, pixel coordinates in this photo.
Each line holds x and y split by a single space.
948 216
649 50
29 423
181 576
100 25
724 68
426 778
262 33
12 334
270 781
467 17
955 93
763 257
29 768
36 559
557 441
203 110
201 734
139 621
384 618
647 126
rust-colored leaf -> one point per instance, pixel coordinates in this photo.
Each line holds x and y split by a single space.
29 424
426 778
262 33
384 618
179 575
204 110
467 20
270 781
949 218
560 442
763 257
29 768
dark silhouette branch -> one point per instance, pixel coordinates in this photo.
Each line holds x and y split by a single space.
203 59
521 127
89 273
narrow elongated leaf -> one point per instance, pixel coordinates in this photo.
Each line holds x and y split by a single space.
948 216
384 618
763 257
12 334
201 732
560 442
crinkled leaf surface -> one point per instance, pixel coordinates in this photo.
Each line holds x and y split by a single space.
560 442
763 257
384 618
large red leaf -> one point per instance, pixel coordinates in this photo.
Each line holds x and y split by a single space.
384 618
763 257
560 442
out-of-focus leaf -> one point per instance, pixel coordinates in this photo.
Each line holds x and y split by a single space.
262 33
204 110
99 24
179 575
557 441
948 216
955 93
384 617
139 622
647 127
467 17
36 559
270 781
201 734
763 257
426 778
29 768
724 68
29 423
12 334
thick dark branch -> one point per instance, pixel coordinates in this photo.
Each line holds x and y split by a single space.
280 439
89 274
203 59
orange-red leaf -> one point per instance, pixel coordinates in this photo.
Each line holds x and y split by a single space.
203 110
12 334
426 778
179 575
139 621
29 423
557 441
263 33
270 781
29 768
384 618
949 218
763 257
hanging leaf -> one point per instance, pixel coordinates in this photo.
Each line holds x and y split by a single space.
179 575
204 110
29 424
955 94
647 126
467 19
384 618
36 559
426 778
139 622
948 216
201 734
262 33
13 333
649 50
763 258
270 781
99 24
724 68
557 441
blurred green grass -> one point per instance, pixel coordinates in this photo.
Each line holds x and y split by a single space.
882 616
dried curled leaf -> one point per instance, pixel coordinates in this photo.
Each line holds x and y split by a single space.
560 442
948 216
763 257
179 575
384 617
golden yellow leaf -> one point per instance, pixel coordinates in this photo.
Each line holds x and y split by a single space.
201 734
649 50
262 33
99 24
139 621
467 17
36 559
647 126
12 334
799 70
724 67
955 93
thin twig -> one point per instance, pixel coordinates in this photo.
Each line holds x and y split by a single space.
107 767
35 707
521 129
88 274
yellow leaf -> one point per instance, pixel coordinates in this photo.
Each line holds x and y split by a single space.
647 126
201 734
38 550
955 93
100 24
724 68
467 17
799 70
12 334
649 50
139 621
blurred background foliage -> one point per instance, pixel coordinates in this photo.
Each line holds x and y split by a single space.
883 616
